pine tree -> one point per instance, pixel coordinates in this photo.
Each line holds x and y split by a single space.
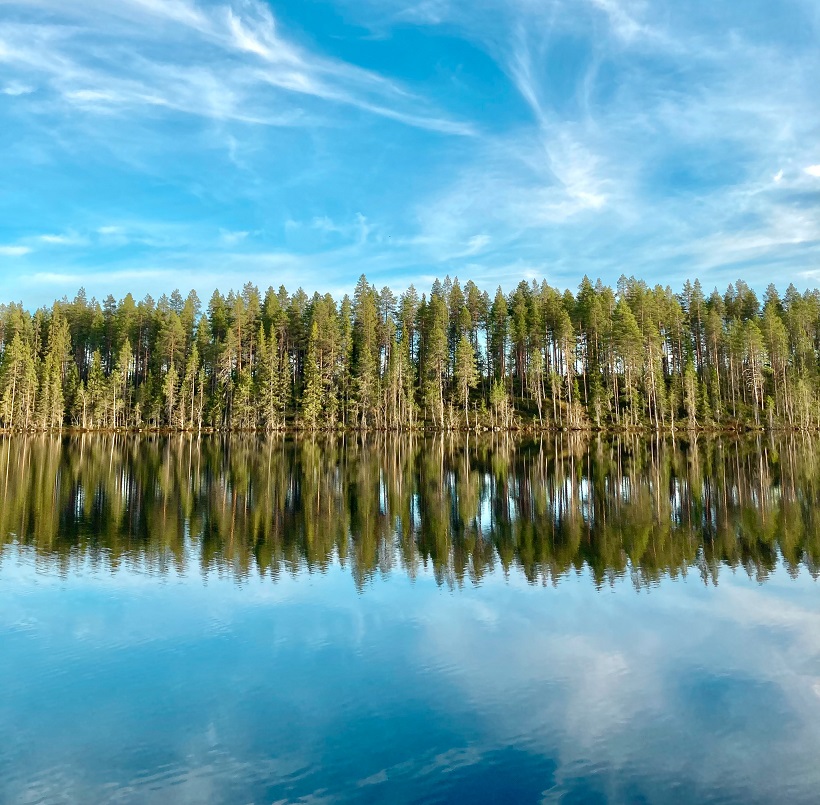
96 405
498 335
365 350
436 357
120 384
635 357
169 393
242 413
187 391
311 405
466 373
18 381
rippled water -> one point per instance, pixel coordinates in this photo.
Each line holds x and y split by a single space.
485 620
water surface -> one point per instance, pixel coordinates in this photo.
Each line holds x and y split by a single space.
383 620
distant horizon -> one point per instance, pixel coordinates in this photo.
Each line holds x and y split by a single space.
149 145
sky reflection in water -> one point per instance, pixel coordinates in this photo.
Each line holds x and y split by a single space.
153 681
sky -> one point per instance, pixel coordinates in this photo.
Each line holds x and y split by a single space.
147 145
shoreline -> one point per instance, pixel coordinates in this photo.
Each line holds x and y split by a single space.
427 430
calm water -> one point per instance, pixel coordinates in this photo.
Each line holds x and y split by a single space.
388 620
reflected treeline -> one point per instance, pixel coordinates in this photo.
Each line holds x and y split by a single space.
463 506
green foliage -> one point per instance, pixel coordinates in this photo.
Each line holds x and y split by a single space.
633 357
466 373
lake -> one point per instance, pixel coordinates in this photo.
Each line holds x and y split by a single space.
402 619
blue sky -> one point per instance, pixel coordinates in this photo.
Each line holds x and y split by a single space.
153 144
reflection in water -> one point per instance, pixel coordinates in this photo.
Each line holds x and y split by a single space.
623 507
451 679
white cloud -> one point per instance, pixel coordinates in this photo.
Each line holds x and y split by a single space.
215 62
324 223
14 251
66 239
650 153
231 238
93 95
101 282
174 10
169 236
244 40
593 201
356 231
627 161
15 89
363 228
476 244
625 26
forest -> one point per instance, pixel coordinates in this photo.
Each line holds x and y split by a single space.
630 358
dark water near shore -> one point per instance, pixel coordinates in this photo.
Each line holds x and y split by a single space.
383 620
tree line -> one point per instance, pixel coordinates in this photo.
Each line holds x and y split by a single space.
629 358
462 506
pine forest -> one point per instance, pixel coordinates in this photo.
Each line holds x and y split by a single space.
625 359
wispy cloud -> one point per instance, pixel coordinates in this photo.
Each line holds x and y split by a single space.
230 238
226 62
352 231
506 139
14 251
623 21
476 244
15 89
76 279
64 239
654 156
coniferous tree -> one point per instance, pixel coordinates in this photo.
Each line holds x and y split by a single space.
436 357
18 380
630 357
365 351
466 373
311 405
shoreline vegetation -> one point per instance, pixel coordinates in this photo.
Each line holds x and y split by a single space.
430 429
633 359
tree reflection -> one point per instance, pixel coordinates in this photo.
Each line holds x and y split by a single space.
459 506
